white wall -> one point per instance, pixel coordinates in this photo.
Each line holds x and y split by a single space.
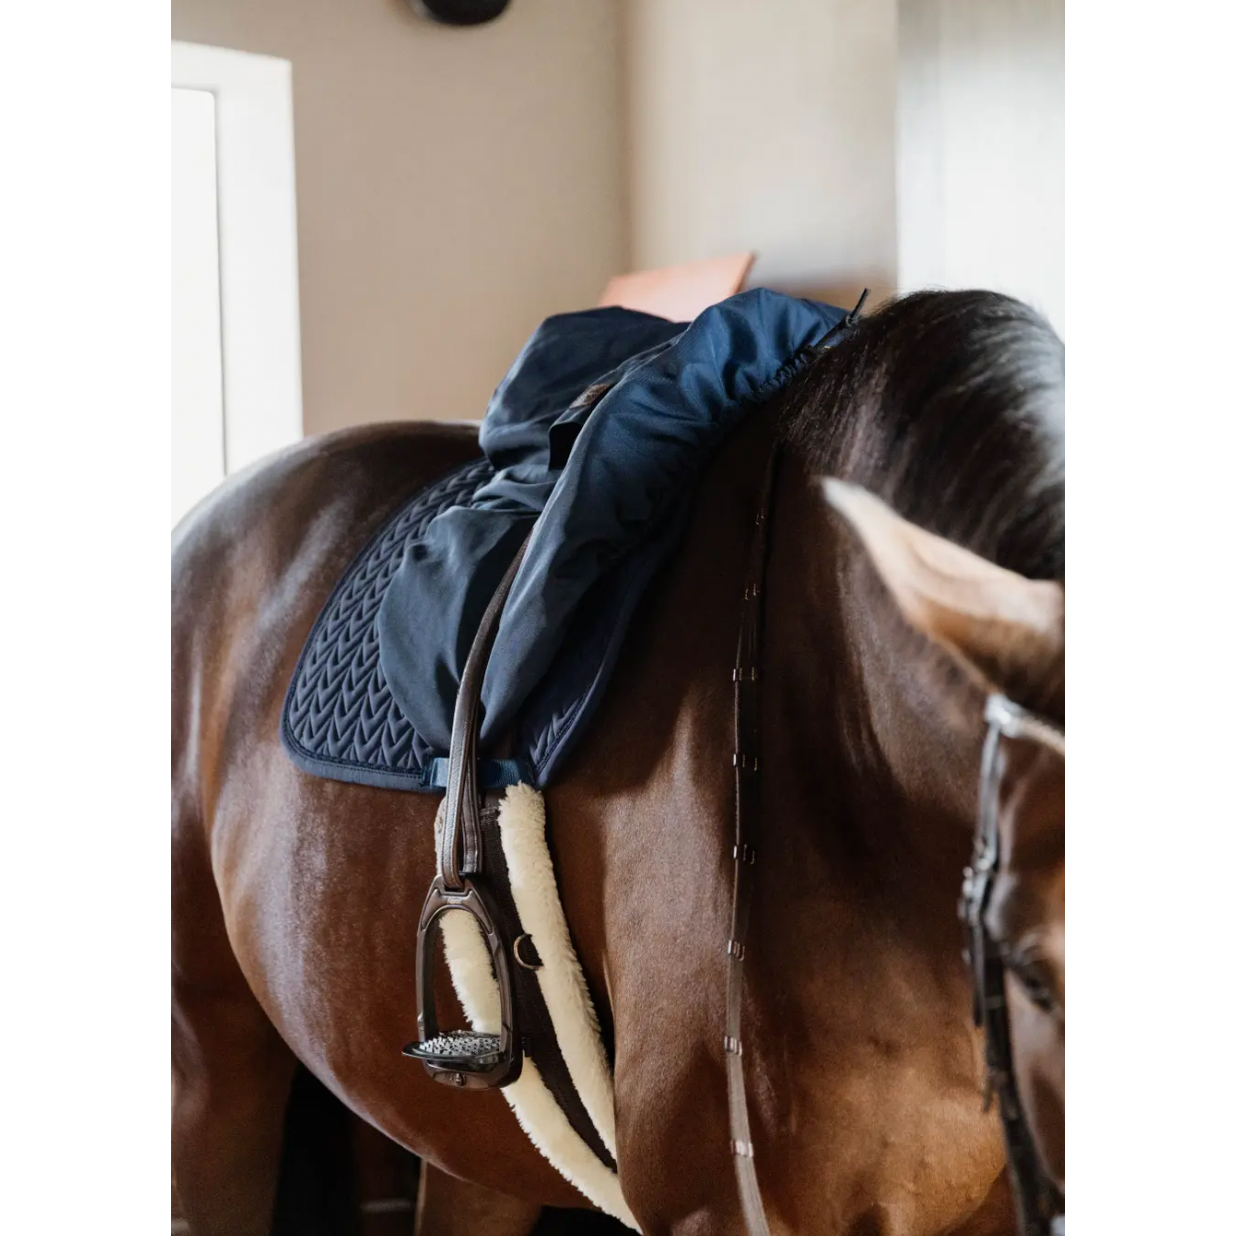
251 209
198 457
981 148
766 125
454 187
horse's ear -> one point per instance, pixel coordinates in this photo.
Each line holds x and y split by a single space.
1004 624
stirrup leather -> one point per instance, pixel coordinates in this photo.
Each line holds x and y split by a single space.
467 1058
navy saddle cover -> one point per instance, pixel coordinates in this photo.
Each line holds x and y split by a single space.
592 448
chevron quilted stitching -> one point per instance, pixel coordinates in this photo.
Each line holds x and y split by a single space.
339 709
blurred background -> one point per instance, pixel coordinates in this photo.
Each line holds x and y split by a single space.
371 212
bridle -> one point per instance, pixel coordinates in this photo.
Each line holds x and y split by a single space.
1040 1203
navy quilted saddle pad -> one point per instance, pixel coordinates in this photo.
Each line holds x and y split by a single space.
340 719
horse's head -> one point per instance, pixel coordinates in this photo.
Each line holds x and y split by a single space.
1004 634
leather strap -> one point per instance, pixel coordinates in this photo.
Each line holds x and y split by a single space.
461 827
746 838
471 825
1039 1202
747 674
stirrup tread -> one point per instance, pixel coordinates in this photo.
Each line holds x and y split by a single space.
458 1048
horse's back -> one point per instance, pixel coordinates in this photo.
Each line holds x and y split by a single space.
254 562
337 486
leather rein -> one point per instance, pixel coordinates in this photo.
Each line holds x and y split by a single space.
1039 1202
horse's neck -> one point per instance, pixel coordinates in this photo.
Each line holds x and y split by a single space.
867 825
853 727
855 796
854 972
862 848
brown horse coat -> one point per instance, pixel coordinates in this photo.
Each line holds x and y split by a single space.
296 899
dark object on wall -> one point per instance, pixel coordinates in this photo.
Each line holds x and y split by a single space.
459 12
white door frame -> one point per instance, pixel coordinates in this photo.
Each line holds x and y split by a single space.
258 284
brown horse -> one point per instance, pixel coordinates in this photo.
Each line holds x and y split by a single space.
295 899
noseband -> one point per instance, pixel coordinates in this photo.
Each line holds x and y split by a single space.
1040 1203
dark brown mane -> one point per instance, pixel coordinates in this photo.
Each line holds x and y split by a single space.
949 406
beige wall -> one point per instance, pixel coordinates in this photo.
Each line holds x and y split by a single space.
454 187
457 186
765 125
981 147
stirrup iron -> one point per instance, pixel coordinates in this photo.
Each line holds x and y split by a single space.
463 1057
